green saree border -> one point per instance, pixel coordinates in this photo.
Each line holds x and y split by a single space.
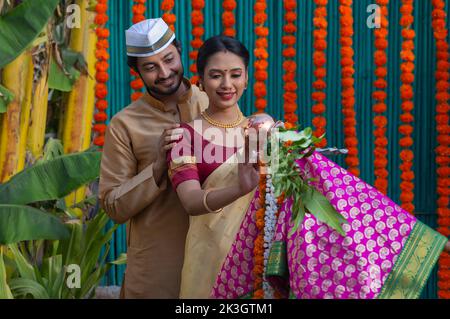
276 265
414 265
277 262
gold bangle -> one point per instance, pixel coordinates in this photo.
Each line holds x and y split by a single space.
206 205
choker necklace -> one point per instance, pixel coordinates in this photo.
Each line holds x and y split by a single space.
223 125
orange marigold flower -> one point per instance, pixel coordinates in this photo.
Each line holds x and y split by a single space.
101 105
198 4
167 5
99 140
101 19
100 117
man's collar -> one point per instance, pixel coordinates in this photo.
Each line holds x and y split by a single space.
161 106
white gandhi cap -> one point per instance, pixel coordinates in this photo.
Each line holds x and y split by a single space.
148 37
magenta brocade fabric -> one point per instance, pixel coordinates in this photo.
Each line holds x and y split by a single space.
321 262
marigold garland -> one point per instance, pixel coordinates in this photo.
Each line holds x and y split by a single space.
198 31
319 57
258 248
348 86
261 55
228 19
379 95
289 64
168 16
442 151
101 75
406 94
260 92
136 83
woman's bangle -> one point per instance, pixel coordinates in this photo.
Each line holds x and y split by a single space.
206 205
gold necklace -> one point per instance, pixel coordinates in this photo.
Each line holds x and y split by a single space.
218 124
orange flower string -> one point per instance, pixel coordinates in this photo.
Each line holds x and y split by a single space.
228 19
261 55
101 75
289 64
136 84
258 248
443 129
168 16
197 31
319 56
406 93
380 120
348 86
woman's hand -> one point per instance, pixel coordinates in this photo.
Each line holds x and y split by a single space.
248 171
248 177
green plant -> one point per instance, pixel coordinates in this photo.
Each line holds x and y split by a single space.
41 235
47 277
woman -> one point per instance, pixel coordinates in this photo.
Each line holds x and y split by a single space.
385 253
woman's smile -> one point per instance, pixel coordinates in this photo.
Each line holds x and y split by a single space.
226 96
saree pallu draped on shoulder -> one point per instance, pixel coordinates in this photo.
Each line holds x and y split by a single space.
386 252
211 236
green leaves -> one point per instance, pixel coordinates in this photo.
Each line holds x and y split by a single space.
21 25
61 79
6 97
319 206
287 179
298 209
121 260
5 290
52 179
27 287
84 248
19 223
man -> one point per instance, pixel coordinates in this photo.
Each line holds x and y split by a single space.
134 186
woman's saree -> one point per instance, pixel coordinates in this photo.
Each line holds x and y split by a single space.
385 253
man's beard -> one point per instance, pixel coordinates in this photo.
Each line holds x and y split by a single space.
155 91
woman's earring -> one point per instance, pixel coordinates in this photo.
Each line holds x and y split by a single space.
200 87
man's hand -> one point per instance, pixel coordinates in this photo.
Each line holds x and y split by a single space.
167 141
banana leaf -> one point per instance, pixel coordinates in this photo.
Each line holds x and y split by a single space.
20 223
51 179
5 291
21 25
59 80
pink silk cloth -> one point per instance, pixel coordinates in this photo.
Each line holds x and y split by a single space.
320 262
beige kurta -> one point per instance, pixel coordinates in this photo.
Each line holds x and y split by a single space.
156 221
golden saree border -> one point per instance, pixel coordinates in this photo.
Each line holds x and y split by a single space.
211 236
182 163
182 160
415 263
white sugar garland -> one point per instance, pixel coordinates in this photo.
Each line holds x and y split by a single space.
270 220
